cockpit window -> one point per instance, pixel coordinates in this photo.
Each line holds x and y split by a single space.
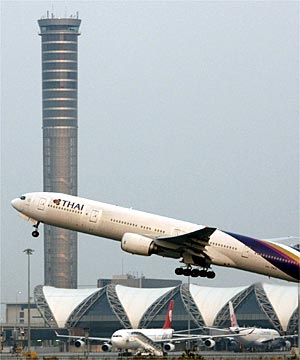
22 197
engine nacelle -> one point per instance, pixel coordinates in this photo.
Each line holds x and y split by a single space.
168 347
233 345
232 341
79 343
106 347
209 343
138 244
287 344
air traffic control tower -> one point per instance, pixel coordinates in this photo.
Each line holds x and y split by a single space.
60 126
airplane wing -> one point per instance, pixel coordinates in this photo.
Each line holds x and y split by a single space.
239 332
82 337
200 236
195 337
193 242
265 341
144 338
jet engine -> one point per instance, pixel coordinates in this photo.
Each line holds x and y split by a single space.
168 347
106 347
287 345
79 343
138 244
209 343
233 345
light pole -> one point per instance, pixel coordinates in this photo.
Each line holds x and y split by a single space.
86 340
16 331
17 293
28 252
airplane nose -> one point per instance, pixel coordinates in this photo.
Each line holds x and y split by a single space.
17 204
14 203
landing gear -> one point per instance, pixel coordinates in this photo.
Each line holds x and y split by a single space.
195 273
210 274
188 271
179 271
35 232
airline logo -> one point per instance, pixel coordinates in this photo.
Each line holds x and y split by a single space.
168 321
274 253
170 315
233 320
68 204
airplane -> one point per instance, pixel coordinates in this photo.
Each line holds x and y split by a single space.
146 340
145 234
153 341
253 337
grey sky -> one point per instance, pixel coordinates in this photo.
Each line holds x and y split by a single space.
186 109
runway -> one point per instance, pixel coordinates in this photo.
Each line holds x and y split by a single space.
216 355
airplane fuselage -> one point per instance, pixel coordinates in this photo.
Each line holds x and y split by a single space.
116 222
257 337
128 338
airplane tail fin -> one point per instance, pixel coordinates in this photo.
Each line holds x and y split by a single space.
233 320
168 321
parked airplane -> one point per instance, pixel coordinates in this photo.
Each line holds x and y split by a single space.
145 234
146 340
152 341
253 337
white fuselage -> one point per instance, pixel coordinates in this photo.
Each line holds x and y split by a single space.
126 339
112 222
257 337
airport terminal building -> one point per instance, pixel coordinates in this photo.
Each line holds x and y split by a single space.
109 308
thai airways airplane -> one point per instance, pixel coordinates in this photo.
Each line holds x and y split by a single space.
252 338
197 246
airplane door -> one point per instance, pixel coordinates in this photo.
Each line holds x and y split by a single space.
176 232
94 216
245 252
91 222
42 203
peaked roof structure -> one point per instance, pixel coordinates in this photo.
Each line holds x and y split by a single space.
140 307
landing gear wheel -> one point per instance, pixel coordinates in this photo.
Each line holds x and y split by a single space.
195 273
210 274
35 233
202 273
179 271
187 272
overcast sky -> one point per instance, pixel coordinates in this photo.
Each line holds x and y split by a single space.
186 109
